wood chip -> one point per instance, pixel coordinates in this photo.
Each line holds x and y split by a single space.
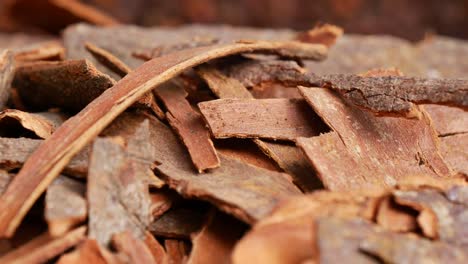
108 59
325 34
50 158
7 72
178 223
43 85
222 85
189 126
44 247
215 242
380 151
283 119
396 95
447 220
15 151
35 124
65 205
161 201
135 249
111 182
50 50
395 217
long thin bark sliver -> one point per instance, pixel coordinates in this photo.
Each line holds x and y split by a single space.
51 157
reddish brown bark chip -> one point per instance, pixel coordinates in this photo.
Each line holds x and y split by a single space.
43 85
7 72
15 151
44 247
161 201
47 162
397 94
108 59
439 217
156 249
216 241
245 191
178 223
395 217
325 34
284 119
454 149
88 252
34 124
365 151
134 249
189 126
118 199
5 179
65 205
50 50
222 85
287 235
448 120
408 248
176 251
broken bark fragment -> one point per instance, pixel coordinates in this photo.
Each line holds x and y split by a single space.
44 247
178 223
448 120
222 86
287 235
325 34
454 149
108 59
5 179
134 249
50 158
396 95
155 248
43 85
215 242
395 217
439 217
88 252
7 72
12 120
189 126
51 50
176 251
118 200
65 205
15 151
365 151
161 201
283 119
408 248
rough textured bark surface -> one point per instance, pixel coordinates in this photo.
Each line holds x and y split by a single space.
134 249
448 120
178 223
366 151
65 205
279 119
189 126
87 252
50 50
36 124
454 149
7 72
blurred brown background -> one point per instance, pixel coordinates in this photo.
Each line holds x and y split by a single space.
410 19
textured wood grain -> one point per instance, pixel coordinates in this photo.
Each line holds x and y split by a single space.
365 151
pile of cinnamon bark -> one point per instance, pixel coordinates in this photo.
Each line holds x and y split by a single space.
214 144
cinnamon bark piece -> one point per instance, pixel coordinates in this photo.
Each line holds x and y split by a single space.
293 161
395 217
178 223
11 120
65 205
7 72
325 34
5 179
379 151
50 50
246 151
440 217
222 85
15 151
70 85
176 251
454 149
44 248
216 241
448 120
50 158
110 181
134 249
156 249
408 248
89 252
397 95
161 201
288 233
284 119
231 187
189 126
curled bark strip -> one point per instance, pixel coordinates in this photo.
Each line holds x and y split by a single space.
51 157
